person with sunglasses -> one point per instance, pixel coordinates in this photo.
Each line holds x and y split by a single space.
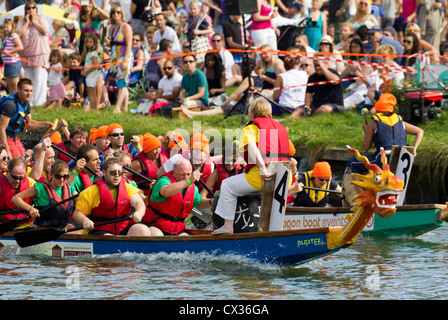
49 192
110 197
4 158
320 177
194 85
163 99
33 31
11 183
115 134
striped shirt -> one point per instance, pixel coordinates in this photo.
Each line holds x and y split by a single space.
8 45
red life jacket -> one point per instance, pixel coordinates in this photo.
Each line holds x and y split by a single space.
56 217
7 192
86 180
206 168
271 150
222 174
63 146
169 216
149 170
110 208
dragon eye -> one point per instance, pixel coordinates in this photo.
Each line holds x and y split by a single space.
378 178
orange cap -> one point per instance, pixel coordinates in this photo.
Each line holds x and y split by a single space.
112 127
386 103
199 141
180 141
292 149
101 132
92 136
150 142
322 170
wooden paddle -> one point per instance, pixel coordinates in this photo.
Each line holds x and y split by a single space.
31 238
11 224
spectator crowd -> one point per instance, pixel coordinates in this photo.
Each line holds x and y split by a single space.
99 53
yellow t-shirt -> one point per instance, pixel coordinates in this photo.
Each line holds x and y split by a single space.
251 134
90 198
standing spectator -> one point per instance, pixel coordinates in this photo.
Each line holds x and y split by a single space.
137 8
324 98
57 90
194 18
263 31
234 36
15 114
316 27
12 46
165 32
90 18
33 31
121 49
363 14
429 19
90 72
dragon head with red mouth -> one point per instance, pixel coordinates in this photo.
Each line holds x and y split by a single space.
381 187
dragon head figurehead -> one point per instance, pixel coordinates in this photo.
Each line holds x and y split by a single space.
380 186
380 194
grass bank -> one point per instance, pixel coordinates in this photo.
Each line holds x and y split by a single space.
316 133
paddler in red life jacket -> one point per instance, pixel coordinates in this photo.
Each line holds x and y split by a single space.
229 165
115 134
320 177
46 193
198 155
111 198
147 162
78 137
172 198
100 139
11 183
81 178
263 140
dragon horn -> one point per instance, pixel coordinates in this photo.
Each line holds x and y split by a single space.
368 165
384 159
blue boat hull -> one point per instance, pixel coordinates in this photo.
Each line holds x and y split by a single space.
280 247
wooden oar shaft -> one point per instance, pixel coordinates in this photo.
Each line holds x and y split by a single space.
49 207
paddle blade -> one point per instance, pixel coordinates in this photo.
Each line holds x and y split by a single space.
31 238
11 224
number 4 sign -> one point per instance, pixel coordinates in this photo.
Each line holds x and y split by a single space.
403 171
279 202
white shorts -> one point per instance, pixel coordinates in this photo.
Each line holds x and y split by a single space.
92 81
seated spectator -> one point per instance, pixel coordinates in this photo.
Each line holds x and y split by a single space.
232 70
293 82
194 86
302 40
324 98
326 45
375 34
269 67
154 68
424 46
216 78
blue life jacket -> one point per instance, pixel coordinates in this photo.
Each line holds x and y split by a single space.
389 132
17 121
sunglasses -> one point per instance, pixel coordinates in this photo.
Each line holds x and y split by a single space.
117 11
322 180
28 8
58 176
5 158
168 68
137 40
16 177
117 134
407 41
116 173
189 61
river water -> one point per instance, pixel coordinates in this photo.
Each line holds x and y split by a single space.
383 269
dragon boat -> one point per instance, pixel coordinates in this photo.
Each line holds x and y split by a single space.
282 246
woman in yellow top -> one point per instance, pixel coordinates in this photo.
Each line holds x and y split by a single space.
263 140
